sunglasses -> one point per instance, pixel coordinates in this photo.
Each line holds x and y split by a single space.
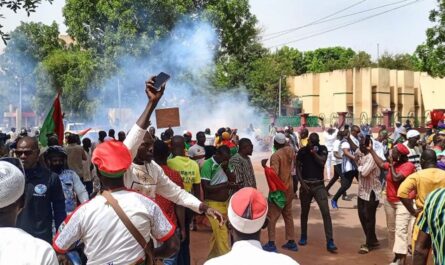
26 153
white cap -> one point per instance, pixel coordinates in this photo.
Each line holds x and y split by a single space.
402 130
412 133
247 210
12 184
280 138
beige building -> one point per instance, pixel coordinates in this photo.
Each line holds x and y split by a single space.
367 92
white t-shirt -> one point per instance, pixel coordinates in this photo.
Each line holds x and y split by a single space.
347 165
336 148
414 155
107 240
18 247
197 150
379 149
150 179
250 252
210 140
329 139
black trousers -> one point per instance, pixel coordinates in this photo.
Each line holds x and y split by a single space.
337 175
184 250
346 183
366 214
317 191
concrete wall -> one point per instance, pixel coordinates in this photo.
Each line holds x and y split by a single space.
370 91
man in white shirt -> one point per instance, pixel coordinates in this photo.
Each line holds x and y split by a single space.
349 166
329 135
415 150
247 216
197 152
17 246
107 239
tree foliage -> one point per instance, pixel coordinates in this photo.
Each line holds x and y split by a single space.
72 73
431 54
29 44
15 5
398 61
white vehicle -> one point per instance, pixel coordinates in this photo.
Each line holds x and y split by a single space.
75 127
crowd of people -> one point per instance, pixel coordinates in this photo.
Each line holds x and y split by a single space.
134 199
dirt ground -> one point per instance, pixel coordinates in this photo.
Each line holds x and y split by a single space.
348 234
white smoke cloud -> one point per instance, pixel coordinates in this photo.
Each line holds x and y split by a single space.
188 55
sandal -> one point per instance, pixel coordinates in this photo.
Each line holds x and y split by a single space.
363 249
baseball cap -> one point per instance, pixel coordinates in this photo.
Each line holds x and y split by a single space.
112 159
280 138
412 133
247 210
12 184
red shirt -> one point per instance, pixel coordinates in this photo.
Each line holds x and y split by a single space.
405 169
167 206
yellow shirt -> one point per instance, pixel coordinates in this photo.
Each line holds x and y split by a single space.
188 169
422 182
303 142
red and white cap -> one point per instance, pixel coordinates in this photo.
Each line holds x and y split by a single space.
247 210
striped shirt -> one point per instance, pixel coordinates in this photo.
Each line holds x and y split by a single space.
369 178
414 155
243 170
432 222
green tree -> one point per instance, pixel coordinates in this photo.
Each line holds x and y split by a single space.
29 44
73 74
328 59
263 80
431 54
398 61
15 5
361 60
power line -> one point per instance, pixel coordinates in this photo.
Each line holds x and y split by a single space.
318 20
345 25
284 32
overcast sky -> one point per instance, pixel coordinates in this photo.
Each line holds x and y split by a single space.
399 30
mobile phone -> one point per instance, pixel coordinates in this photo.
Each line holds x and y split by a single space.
160 80
367 140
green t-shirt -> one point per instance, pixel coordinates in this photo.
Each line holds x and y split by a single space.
213 172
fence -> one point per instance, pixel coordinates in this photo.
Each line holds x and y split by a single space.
362 119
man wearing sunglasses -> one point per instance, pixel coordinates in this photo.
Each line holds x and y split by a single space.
45 201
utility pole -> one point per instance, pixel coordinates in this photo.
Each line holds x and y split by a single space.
119 102
19 113
378 53
279 97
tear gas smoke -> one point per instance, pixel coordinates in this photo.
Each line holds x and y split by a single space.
188 55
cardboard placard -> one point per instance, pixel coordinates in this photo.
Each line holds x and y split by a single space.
167 117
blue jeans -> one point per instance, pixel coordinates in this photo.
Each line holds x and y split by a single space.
171 260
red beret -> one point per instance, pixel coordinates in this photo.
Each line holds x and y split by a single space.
403 150
112 159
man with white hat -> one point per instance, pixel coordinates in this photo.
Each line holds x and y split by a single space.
415 149
282 162
247 215
17 246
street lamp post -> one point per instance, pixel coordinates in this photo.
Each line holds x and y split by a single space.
279 98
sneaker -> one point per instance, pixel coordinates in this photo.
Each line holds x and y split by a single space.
291 245
346 198
270 247
331 246
334 204
303 240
